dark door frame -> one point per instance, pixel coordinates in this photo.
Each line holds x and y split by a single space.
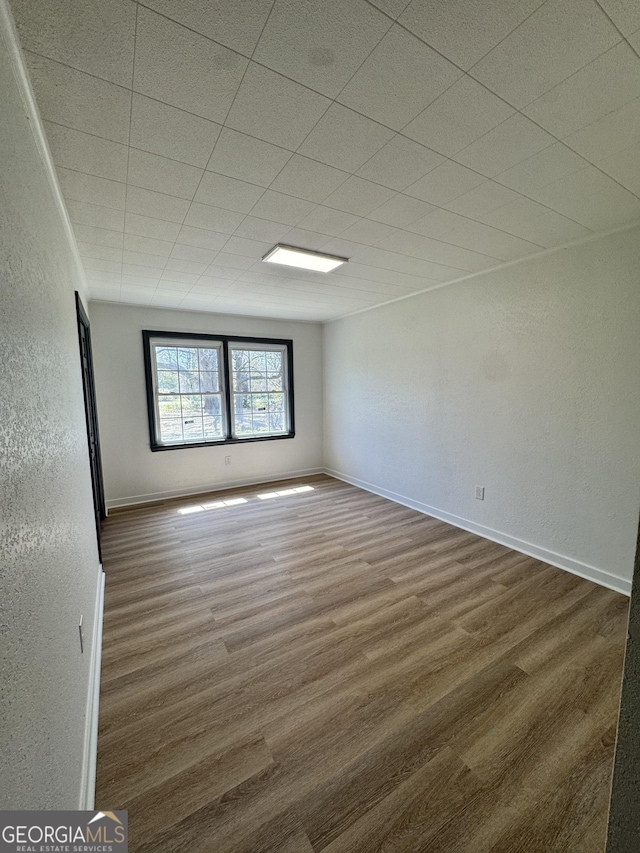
91 414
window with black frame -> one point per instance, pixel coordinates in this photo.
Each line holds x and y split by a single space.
217 389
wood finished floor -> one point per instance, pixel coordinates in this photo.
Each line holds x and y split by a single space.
329 671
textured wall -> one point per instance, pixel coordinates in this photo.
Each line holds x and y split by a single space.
48 556
132 471
524 381
624 815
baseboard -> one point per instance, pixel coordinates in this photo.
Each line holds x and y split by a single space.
133 500
599 576
88 783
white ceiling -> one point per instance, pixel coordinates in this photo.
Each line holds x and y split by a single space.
423 139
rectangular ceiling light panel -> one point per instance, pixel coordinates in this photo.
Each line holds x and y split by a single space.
303 259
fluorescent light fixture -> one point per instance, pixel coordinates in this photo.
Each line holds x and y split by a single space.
303 258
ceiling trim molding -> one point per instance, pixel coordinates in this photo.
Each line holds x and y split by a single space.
628 226
9 36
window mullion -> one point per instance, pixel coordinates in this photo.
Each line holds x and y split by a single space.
227 388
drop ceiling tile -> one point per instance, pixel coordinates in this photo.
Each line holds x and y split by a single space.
359 196
398 80
170 132
79 101
547 166
193 253
612 133
465 30
247 248
482 238
219 20
270 107
240 156
382 276
561 37
97 264
367 232
261 229
98 236
91 189
156 205
634 41
320 45
599 88
95 215
73 149
105 277
444 183
145 226
592 199
399 163
180 265
223 274
437 251
305 178
148 245
464 113
140 276
436 224
185 69
482 199
178 280
625 14
532 221
393 8
144 260
325 220
282 208
105 253
389 260
305 239
152 172
400 210
238 262
344 139
213 218
624 167
201 238
90 35
229 193
507 144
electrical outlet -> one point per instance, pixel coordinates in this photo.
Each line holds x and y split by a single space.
81 632
227 460
479 493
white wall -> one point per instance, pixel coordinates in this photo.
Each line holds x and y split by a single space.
132 471
48 557
525 381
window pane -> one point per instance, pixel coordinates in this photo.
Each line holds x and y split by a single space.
274 361
189 382
193 429
243 424
258 382
187 358
191 405
209 382
258 360
169 407
208 359
241 402
166 358
212 427
276 402
168 382
274 382
170 430
276 421
211 404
